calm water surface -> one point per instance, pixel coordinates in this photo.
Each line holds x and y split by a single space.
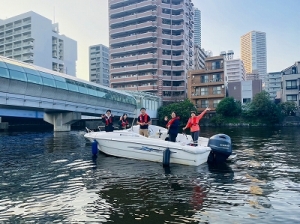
52 178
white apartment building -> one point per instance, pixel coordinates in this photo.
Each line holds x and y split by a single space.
199 58
234 70
273 83
254 53
197 25
32 38
99 64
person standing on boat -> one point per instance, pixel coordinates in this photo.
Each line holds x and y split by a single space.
193 124
173 126
108 119
124 122
144 120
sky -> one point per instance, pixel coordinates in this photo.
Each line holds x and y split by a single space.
223 23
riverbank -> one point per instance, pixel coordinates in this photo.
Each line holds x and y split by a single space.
238 122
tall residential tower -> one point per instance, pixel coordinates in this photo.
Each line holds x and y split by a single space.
197 29
151 46
254 53
99 64
32 38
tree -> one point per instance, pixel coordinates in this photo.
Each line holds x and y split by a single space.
182 109
288 108
263 108
228 107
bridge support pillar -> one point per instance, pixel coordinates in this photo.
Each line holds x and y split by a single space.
3 125
62 121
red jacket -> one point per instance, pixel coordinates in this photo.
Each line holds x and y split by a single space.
193 122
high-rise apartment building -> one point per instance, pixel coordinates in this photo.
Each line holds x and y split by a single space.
197 27
151 46
99 64
254 52
32 38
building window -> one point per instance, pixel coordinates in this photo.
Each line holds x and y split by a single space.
246 100
204 78
216 102
204 91
216 65
217 90
204 103
291 97
217 77
291 84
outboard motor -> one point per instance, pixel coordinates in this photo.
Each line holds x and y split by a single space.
221 148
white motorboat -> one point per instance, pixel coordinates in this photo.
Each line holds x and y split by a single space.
129 144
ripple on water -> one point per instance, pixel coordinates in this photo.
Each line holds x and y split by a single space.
52 178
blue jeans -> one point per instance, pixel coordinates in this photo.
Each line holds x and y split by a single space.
195 136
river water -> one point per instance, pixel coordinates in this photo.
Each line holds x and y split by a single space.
52 178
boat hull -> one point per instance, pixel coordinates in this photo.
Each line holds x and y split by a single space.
134 146
151 153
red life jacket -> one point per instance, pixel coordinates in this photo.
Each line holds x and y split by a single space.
124 123
144 119
171 121
108 120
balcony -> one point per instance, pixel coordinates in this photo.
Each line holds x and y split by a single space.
134 79
174 98
178 17
133 58
130 7
208 96
178 88
166 57
147 88
133 48
198 83
139 88
166 67
177 37
133 17
132 38
133 68
178 78
27 51
178 68
132 27
178 47
179 57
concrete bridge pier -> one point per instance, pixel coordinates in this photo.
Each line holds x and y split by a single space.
62 121
3 125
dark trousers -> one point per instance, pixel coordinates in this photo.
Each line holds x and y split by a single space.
195 136
172 137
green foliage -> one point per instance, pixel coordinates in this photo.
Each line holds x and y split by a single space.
263 109
182 109
228 107
288 108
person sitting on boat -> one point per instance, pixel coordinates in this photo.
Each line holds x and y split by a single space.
123 122
173 126
193 124
108 119
144 120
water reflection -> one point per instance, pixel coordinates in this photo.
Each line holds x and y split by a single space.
53 177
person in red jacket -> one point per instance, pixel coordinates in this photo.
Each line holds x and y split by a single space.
144 121
123 122
193 124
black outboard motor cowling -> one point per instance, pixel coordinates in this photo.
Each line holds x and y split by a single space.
221 148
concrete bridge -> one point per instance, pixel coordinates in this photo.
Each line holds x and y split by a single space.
29 90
